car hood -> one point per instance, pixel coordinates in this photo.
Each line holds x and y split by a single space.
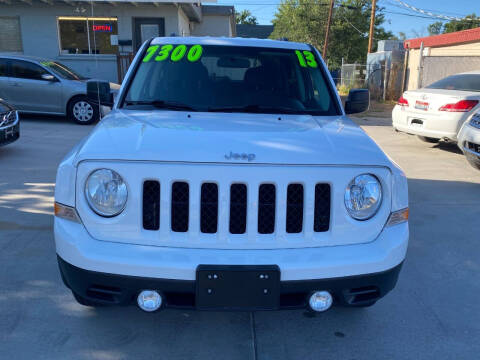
172 136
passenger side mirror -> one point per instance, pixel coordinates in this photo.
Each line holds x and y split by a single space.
98 92
49 77
358 101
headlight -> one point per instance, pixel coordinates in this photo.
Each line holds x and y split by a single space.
475 121
363 197
106 192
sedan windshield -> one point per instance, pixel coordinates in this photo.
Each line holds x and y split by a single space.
462 82
62 70
231 79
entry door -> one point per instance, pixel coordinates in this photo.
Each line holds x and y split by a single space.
146 28
29 92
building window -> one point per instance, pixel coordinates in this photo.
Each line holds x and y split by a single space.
10 36
87 35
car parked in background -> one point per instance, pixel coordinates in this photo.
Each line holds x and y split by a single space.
439 110
36 85
469 140
9 124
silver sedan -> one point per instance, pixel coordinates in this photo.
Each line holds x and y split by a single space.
36 85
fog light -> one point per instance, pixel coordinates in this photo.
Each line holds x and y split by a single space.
320 301
149 300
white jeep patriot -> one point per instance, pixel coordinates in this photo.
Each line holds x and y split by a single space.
228 177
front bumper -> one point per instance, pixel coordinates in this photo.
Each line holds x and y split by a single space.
110 289
115 272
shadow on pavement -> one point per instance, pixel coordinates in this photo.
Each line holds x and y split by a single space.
36 309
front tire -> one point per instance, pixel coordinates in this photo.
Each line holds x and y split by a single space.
82 111
428 139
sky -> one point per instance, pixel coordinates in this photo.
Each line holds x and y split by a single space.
264 10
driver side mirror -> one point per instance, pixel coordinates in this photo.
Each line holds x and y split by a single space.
358 101
98 92
49 77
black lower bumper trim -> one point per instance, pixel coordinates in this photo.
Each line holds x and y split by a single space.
103 288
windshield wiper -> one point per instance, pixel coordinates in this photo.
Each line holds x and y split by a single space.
161 104
259 109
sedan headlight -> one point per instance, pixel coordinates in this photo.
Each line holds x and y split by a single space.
363 197
106 192
475 121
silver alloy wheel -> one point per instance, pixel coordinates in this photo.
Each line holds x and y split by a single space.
83 111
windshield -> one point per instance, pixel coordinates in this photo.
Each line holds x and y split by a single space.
231 79
62 70
465 82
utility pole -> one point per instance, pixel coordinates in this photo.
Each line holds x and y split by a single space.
329 23
372 26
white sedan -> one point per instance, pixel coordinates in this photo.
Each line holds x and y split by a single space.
439 110
469 140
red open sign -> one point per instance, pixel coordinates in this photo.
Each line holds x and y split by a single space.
103 28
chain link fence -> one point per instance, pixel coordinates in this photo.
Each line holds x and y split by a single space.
384 80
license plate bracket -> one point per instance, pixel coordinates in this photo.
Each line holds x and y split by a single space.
238 287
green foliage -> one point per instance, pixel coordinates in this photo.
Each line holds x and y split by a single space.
306 20
245 17
463 24
436 28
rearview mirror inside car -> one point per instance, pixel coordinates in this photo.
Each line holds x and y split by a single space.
358 101
98 92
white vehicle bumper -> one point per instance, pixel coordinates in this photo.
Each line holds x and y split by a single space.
77 247
114 273
427 124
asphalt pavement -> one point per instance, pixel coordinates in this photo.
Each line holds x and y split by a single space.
433 312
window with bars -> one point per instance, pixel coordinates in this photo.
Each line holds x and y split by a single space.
10 34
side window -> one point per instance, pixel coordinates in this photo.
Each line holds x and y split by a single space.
27 70
3 68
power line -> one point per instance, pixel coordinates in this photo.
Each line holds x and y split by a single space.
432 14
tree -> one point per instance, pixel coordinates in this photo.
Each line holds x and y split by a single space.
468 22
436 28
305 21
245 17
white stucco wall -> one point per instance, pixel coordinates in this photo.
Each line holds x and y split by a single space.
39 29
183 24
213 25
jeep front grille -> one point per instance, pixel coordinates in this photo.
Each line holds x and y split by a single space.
180 206
210 218
238 209
151 205
209 208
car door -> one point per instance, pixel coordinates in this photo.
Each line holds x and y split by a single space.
4 79
28 91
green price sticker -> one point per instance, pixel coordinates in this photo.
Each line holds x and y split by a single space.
306 59
174 53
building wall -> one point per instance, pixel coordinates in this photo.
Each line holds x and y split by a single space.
39 29
412 70
213 25
183 23
462 51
